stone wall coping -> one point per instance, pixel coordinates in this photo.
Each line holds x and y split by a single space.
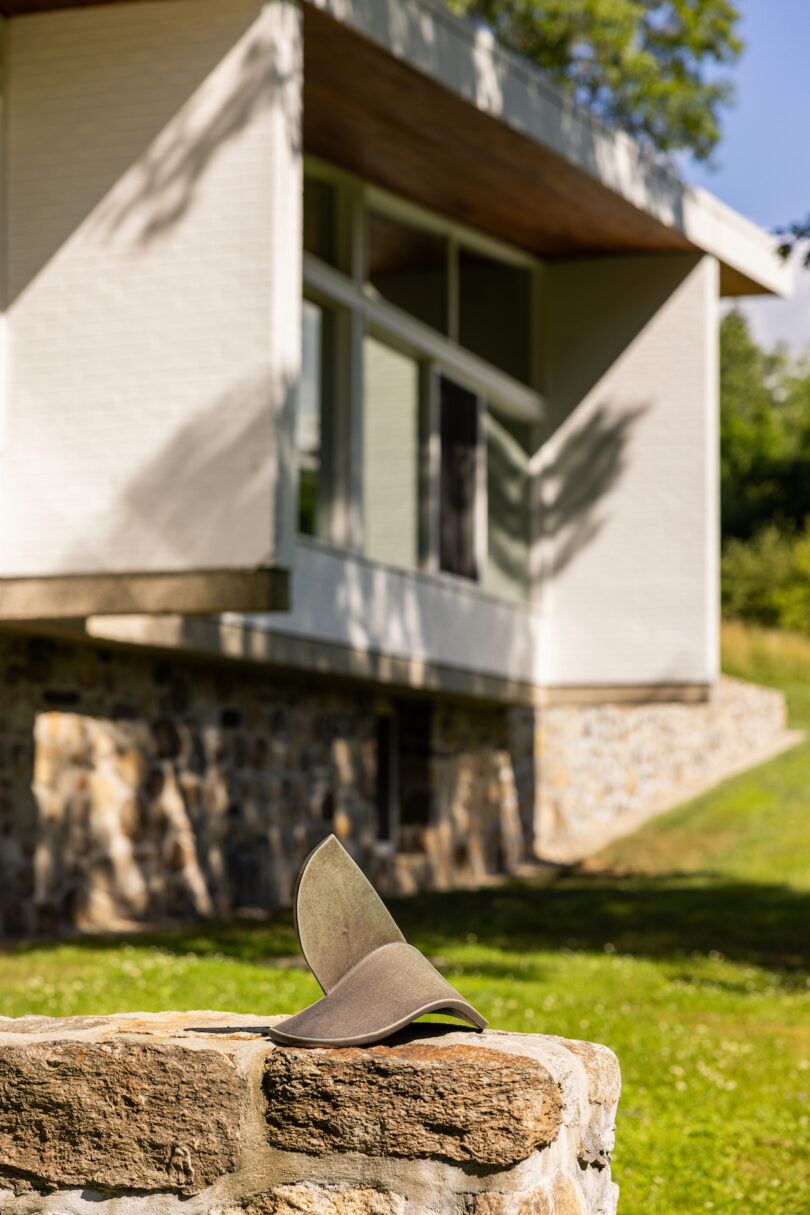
160 1111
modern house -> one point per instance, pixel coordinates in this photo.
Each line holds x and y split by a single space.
359 413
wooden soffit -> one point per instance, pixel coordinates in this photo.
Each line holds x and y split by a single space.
376 116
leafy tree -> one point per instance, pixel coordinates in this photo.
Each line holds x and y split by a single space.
765 480
767 578
649 66
764 434
796 236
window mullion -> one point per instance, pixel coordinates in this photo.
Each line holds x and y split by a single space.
452 289
431 464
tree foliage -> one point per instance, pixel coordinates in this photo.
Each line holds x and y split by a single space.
767 578
765 480
653 67
764 434
796 237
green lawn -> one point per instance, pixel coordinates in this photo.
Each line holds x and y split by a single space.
686 948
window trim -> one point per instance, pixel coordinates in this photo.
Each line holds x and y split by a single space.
394 206
415 338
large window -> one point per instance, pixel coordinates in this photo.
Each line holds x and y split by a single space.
418 400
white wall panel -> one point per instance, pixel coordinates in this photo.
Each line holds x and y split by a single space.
153 288
630 472
350 601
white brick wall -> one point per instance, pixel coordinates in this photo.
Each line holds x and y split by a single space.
630 472
153 286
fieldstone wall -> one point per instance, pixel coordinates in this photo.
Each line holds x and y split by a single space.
602 770
144 786
95 1111
141 786
467 791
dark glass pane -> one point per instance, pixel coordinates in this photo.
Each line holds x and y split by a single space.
459 439
316 331
409 269
495 312
320 208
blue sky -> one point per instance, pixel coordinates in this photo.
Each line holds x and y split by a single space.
763 161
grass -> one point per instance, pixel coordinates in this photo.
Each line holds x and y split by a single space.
685 947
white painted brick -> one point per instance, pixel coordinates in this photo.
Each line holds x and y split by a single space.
154 286
631 472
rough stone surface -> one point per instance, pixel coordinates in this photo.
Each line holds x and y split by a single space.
137 787
463 1103
117 1115
536 1201
604 1086
560 1195
602 770
143 1113
320 1200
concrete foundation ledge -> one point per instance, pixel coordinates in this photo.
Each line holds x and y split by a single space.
142 1115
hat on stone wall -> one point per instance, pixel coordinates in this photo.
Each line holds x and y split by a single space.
374 981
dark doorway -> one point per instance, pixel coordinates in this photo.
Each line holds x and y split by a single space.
415 784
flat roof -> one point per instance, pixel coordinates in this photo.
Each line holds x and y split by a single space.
430 106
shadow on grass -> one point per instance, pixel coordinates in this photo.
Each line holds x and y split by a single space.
657 917
668 916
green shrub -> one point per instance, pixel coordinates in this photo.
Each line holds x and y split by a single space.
767 579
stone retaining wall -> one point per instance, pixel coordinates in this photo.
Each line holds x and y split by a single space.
602 770
135 1114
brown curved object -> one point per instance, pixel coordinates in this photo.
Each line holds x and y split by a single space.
375 983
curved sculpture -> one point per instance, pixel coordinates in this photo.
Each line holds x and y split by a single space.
374 981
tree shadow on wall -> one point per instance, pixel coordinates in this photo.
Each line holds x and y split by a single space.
161 186
172 116
586 464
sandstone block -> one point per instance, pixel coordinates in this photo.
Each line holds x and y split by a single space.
558 1196
117 1115
566 1198
144 1110
305 1199
455 1102
527 1202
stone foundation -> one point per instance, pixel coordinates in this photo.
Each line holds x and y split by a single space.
138 1113
140 786
603 770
